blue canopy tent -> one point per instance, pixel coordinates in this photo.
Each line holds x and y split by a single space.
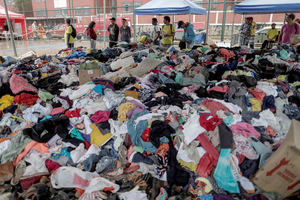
267 6
167 7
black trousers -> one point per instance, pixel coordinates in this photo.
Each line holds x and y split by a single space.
266 44
112 44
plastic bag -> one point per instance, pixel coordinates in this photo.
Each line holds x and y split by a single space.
71 177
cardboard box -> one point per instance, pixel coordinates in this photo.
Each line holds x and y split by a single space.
86 75
281 173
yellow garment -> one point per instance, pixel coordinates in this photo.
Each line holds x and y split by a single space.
97 137
44 75
295 84
253 30
167 29
272 33
256 104
281 78
188 165
208 186
123 110
142 39
69 31
130 93
6 101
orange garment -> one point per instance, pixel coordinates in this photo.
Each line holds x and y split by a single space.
4 139
40 147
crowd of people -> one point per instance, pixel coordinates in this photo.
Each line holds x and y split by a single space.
248 30
163 36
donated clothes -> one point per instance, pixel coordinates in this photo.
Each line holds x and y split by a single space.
155 125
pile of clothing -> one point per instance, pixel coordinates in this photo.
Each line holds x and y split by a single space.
156 125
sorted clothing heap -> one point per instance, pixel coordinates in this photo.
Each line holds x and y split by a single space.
154 125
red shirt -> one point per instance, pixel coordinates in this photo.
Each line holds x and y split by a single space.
92 33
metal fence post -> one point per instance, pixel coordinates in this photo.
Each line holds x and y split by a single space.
207 21
224 20
46 11
104 13
134 21
10 28
25 19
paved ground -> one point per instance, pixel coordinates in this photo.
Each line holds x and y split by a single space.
39 46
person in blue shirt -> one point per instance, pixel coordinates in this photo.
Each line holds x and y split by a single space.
189 33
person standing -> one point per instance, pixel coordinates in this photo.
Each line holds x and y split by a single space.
167 33
34 29
291 28
68 35
245 32
113 30
189 33
253 31
155 33
41 31
271 37
125 31
92 35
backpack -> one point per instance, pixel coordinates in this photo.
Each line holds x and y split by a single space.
73 34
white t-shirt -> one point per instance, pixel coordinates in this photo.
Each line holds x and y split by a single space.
154 34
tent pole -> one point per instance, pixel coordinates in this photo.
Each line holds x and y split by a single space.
10 28
207 21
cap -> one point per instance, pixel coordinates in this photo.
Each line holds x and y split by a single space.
124 19
113 19
180 23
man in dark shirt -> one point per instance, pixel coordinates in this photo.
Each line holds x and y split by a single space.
125 31
113 30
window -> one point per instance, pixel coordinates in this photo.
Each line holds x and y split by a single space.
38 13
65 12
214 5
87 11
126 7
137 4
57 13
78 11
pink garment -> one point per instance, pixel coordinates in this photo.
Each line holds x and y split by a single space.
100 116
288 30
19 84
51 165
258 93
244 129
214 106
58 110
40 147
224 89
